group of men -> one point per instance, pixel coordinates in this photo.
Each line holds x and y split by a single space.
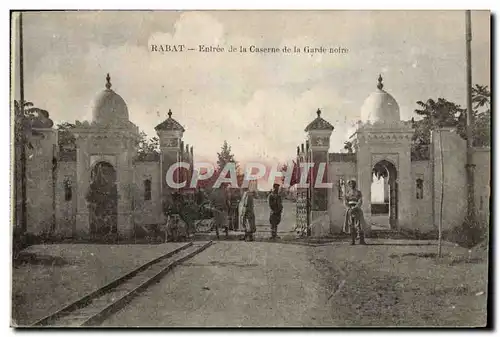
220 206
247 213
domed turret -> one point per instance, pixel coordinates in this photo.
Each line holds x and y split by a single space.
380 106
109 108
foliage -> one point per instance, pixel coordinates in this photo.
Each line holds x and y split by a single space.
26 118
148 148
469 234
481 97
348 147
443 113
225 156
66 138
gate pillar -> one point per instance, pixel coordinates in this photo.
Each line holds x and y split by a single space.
170 134
318 136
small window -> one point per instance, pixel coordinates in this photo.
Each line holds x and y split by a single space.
420 189
481 203
341 188
68 191
147 189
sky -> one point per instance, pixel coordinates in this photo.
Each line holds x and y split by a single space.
259 103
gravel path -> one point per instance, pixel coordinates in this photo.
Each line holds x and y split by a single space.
261 284
232 284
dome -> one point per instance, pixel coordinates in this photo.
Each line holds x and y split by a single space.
380 106
109 108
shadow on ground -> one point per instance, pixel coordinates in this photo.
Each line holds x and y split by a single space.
38 259
446 258
399 244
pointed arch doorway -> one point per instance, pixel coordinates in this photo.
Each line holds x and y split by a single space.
102 198
384 196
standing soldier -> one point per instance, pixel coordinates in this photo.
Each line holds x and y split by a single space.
250 228
276 206
354 223
220 210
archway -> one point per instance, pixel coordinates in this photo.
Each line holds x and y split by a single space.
102 197
384 198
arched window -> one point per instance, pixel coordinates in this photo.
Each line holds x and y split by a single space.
420 188
68 191
147 189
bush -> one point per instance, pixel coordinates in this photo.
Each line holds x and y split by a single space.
22 240
19 242
469 234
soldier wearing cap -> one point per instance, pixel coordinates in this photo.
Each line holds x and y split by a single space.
276 206
353 200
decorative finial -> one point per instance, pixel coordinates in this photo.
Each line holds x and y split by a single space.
169 113
108 82
318 113
380 85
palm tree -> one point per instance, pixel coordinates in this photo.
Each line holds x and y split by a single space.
481 96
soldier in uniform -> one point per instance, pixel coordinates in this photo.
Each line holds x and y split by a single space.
220 210
249 216
353 200
276 206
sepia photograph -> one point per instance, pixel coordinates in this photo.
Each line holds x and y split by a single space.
250 168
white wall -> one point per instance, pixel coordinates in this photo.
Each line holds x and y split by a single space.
66 210
482 180
454 183
147 211
336 208
39 181
421 209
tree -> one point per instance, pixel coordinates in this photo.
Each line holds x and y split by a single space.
26 118
148 148
66 139
481 98
348 147
482 129
443 113
225 156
